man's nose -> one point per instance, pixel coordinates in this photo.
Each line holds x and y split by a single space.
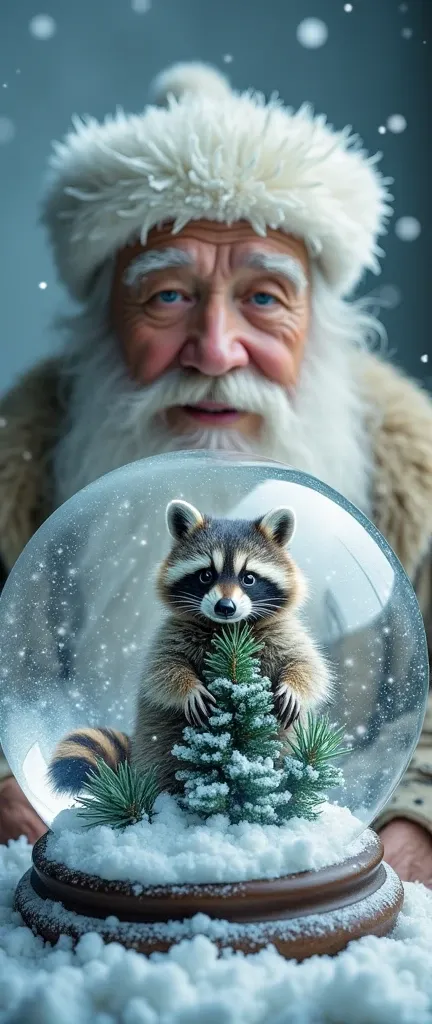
214 342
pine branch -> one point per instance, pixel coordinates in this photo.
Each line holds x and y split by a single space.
309 768
317 742
117 798
234 655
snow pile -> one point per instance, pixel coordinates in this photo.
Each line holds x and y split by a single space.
178 847
381 981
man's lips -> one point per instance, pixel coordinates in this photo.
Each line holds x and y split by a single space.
212 412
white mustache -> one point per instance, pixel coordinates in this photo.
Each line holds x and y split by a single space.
242 389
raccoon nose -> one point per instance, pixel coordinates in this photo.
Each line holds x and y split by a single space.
225 607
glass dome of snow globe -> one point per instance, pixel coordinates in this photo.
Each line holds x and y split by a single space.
80 606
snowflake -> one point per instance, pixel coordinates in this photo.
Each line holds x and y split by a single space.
407 229
42 26
312 33
396 123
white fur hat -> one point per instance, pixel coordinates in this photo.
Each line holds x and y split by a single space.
217 155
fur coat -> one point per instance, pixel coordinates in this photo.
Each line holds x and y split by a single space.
400 427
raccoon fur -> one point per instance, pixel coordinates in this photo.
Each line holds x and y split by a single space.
78 752
221 571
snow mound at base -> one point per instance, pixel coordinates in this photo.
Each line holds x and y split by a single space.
178 848
381 981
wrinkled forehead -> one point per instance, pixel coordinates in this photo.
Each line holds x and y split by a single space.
239 235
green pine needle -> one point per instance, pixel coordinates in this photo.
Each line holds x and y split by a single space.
309 768
234 656
117 798
317 742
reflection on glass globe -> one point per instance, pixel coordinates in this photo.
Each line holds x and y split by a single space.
80 606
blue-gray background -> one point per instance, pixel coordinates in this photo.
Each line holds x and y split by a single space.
103 53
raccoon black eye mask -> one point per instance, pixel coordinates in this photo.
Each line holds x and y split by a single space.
228 570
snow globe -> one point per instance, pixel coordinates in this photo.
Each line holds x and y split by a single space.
264 837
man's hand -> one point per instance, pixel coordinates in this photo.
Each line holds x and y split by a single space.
17 817
408 849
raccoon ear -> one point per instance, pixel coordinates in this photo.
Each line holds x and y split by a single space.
182 518
278 525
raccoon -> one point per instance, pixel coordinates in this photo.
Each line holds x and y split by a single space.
78 752
219 571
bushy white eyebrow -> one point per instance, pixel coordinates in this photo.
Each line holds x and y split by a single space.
277 263
168 259
155 259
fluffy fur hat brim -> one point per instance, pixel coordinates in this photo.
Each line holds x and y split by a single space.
218 155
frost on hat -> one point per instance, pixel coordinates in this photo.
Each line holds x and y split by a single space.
203 151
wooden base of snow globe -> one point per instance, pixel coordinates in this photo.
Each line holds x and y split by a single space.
301 914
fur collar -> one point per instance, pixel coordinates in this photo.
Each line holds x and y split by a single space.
401 439
30 421
400 425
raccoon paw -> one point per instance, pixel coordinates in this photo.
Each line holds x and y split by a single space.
198 705
286 705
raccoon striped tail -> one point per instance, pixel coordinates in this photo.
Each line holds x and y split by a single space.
79 751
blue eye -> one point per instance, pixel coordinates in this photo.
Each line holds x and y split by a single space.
168 297
263 299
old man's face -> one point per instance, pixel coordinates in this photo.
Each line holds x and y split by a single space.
208 301
215 339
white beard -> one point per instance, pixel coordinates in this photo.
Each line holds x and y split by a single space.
320 429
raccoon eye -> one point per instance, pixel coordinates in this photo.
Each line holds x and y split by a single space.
248 579
206 576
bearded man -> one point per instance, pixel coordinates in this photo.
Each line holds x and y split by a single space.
212 243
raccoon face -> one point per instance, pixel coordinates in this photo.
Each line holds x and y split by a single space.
229 570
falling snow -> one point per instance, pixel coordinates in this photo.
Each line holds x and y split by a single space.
396 123
7 130
141 6
42 26
407 229
406 33
424 358
312 33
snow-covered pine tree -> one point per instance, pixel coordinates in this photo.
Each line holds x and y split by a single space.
231 761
